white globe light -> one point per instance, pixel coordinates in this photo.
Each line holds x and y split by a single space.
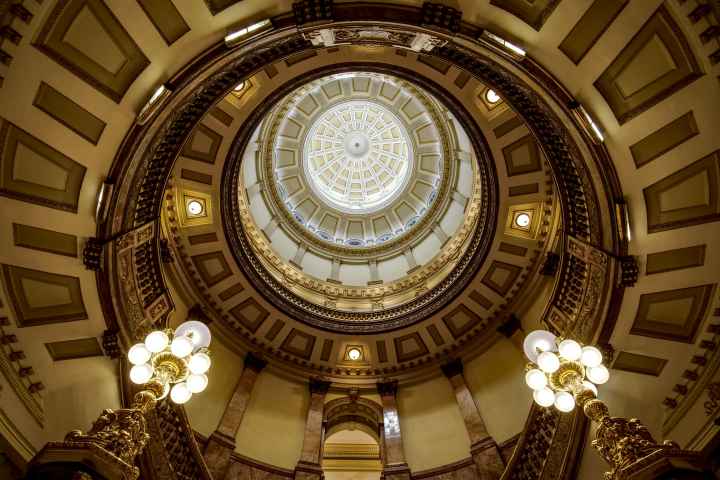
536 342
180 393
139 354
548 362
564 401
591 357
199 363
570 350
157 341
598 375
140 374
535 379
197 383
197 332
181 347
590 386
544 397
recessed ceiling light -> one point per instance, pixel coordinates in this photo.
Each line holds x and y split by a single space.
491 96
239 87
195 207
522 220
354 354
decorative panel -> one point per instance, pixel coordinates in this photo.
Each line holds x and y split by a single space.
166 19
110 62
274 330
217 6
409 347
71 349
69 113
435 335
33 171
481 300
636 363
196 176
664 139
250 314
522 156
591 26
39 298
231 291
221 115
655 64
676 259
326 350
45 240
532 12
382 351
203 144
202 238
501 276
512 249
687 197
299 343
508 126
672 314
212 267
527 189
461 320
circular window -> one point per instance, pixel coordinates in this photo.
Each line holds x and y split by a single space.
358 157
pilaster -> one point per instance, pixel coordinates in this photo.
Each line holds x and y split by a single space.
395 467
308 467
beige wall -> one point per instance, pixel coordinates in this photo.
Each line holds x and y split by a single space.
432 428
496 381
274 423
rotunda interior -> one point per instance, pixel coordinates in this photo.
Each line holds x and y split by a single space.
365 209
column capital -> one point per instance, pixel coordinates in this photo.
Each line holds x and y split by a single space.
255 362
510 326
318 385
452 368
387 388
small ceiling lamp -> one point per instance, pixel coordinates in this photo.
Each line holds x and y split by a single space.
522 220
491 96
354 354
195 207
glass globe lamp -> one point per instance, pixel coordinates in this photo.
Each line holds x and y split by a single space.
140 374
180 393
598 375
197 383
548 362
544 397
536 379
570 350
139 354
157 341
537 342
181 347
197 332
564 401
199 363
591 357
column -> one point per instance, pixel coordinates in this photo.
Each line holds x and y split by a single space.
308 467
410 259
483 449
513 331
395 467
221 442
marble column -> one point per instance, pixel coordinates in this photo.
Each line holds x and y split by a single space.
308 467
221 442
483 449
513 331
394 467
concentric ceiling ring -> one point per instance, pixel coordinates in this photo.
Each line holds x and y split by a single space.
358 157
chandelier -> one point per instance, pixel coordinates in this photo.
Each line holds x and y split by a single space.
177 367
559 370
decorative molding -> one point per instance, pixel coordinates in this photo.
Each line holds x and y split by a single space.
533 13
111 344
11 365
409 347
72 349
250 314
461 320
165 18
299 343
661 43
45 240
60 39
664 139
673 315
522 156
637 363
690 196
41 298
677 259
591 26
33 171
92 254
69 113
